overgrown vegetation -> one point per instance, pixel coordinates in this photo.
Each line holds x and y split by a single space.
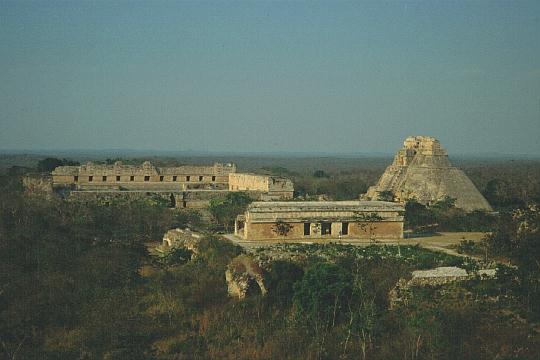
281 228
226 210
49 164
444 216
77 282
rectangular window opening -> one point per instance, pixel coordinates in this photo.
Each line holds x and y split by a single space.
90 178
213 178
76 178
188 177
147 178
161 178
344 228
103 178
307 228
132 178
174 178
200 178
117 178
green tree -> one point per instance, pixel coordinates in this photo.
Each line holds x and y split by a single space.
418 217
517 236
386 196
49 164
281 279
226 210
500 193
319 174
444 204
320 298
281 228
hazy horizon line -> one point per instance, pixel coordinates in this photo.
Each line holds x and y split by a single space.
153 152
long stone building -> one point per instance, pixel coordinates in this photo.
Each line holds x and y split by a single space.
143 177
329 220
421 170
182 186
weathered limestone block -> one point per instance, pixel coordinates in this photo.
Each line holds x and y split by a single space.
402 291
242 274
438 276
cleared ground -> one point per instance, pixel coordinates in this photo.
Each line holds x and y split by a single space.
444 241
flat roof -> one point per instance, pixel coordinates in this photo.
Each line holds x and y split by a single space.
263 206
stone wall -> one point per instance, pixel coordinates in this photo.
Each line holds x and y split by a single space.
275 188
324 219
38 184
186 183
382 230
146 176
187 199
191 199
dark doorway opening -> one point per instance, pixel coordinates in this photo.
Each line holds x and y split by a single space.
345 228
307 228
253 288
326 228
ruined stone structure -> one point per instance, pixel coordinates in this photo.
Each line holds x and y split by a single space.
321 220
273 188
142 177
37 184
189 187
421 170
243 275
401 293
186 239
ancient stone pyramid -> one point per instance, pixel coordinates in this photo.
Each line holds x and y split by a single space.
421 170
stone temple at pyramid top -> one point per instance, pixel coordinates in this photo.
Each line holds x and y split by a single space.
421 147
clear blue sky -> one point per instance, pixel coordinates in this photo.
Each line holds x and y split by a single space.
270 76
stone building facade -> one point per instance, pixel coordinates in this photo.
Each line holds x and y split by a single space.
190 187
142 177
321 220
273 188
